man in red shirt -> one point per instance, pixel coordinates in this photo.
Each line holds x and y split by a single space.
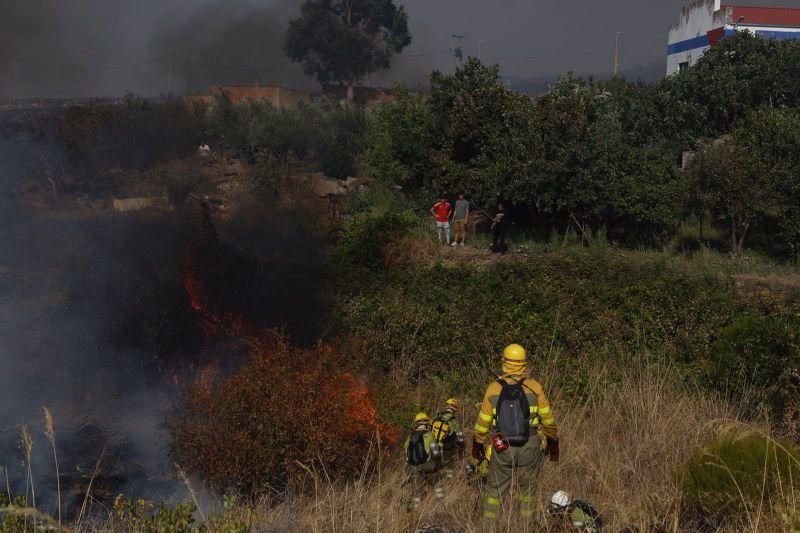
442 210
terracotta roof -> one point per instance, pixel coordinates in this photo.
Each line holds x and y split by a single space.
768 16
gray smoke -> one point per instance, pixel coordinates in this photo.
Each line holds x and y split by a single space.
239 41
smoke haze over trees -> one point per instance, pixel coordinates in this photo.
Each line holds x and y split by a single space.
240 41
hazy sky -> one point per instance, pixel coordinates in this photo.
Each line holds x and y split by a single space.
222 40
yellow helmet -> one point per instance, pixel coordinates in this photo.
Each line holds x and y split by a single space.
421 418
454 403
514 353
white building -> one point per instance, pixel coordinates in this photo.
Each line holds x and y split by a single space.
704 22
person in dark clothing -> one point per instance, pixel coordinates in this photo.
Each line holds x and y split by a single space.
499 230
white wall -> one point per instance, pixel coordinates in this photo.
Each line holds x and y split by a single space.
697 19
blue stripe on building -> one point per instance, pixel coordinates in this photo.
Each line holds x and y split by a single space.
779 35
702 41
689 44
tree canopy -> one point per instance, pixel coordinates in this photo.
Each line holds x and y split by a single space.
341 41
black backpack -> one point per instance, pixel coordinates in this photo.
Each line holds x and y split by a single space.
513 414
416 454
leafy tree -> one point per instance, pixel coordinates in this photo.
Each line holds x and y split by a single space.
491 144
400 137
342 41
752 172
322 132
741 73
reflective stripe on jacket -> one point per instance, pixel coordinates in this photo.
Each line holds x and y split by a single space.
541 413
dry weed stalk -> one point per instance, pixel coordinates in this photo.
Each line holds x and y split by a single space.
27 445
86 496
50 433
183 477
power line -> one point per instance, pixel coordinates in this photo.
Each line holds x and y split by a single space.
92 69
194 61
555 56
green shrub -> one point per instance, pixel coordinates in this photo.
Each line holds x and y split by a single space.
735 474
321 132
399 138
11 522
575 307
366 234
142 516
759 354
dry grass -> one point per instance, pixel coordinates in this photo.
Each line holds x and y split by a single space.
622 445
621 448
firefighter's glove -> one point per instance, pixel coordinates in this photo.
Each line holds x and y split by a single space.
552 448
478 452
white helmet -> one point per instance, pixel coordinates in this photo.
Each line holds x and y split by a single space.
560 499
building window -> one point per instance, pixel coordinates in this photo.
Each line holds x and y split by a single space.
683 66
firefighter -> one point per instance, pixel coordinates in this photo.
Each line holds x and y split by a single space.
574 514
516 409
423 458
447 431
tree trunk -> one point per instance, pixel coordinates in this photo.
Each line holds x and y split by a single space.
350 91
738 233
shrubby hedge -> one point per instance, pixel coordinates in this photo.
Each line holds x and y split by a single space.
579 309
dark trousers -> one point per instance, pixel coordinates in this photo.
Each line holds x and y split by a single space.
499 238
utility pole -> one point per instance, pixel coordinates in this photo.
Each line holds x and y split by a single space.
457 49
616 54
14 79
169 78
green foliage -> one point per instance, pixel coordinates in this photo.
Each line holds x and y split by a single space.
742 177
365 236
399 140
735 474
573 308
9 522
260 134
759 355
491 145
143 516
339 41
573 155
742 73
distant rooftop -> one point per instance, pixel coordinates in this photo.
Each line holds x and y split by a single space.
766 16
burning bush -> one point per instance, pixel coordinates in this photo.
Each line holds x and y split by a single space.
287 410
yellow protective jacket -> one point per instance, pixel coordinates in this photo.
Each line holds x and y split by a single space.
541 413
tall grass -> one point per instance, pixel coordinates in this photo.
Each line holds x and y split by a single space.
622 446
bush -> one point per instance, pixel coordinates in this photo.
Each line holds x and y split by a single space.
735 474
143 516
400 137
322 132
366 235
571 307
286 411
760 355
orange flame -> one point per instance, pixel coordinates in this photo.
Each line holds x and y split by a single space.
212 324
